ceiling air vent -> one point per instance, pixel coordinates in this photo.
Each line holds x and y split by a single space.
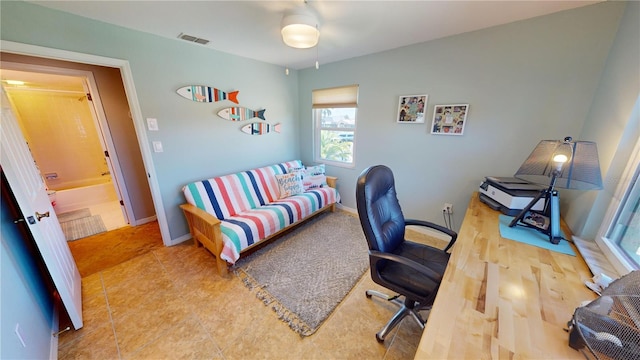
194 39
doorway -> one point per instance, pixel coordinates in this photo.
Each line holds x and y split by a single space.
125 124
57 114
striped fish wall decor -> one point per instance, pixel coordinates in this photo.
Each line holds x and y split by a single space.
201 93
238 113
260 128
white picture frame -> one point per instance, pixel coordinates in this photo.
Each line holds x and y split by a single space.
411 109
449 119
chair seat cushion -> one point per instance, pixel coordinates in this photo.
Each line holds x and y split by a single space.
401 277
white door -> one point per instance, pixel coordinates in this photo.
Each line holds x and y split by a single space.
31 195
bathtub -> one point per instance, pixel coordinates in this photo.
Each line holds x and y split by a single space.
85 196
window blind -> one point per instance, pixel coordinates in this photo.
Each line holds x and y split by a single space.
337 97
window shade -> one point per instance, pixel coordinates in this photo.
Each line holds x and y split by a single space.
337 97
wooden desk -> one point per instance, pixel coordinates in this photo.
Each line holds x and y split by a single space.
502 299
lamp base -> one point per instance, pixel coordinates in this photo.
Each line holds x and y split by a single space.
546 221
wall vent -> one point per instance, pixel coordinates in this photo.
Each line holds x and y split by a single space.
194 39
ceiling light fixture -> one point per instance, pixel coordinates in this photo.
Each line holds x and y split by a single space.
300 29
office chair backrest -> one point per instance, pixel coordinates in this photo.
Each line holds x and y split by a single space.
378 208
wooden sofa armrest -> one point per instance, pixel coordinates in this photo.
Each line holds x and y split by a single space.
205 230
209 219
331 181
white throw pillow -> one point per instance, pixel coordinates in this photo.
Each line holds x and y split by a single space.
289 184
315 177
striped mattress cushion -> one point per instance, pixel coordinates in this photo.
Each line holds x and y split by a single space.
228 195
249 227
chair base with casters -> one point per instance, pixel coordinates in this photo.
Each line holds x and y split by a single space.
410 269
407 308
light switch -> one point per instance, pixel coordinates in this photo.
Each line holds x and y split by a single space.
152 124
157 146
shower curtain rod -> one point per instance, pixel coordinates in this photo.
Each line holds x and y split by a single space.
46 90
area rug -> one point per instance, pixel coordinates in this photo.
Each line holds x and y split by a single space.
80 228
73 215
306 273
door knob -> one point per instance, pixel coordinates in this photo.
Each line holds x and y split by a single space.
40 216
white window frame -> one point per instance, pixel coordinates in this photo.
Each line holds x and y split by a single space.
608 247
332 102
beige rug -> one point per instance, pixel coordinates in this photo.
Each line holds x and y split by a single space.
73 215
305 274
79 224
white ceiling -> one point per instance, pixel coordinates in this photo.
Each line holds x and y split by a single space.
347 28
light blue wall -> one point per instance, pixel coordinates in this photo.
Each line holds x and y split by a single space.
524 81
24 299
613 123
197 143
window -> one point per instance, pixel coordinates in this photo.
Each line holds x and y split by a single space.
623 233
625 229
619 235
334 118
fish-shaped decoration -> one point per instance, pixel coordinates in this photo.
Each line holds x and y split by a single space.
260 128
238 113
202 93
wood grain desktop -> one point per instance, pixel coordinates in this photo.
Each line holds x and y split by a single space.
502 299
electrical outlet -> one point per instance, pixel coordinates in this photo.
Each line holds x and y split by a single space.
447 208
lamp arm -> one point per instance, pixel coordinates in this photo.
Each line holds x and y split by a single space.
554 178
521 215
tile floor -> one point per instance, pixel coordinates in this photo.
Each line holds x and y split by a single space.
111 214
169 303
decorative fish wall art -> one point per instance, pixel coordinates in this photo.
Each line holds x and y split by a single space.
202 93
238 113
260 128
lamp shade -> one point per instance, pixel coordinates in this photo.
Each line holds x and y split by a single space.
580 169
300 30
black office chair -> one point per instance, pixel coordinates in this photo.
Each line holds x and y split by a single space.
411 269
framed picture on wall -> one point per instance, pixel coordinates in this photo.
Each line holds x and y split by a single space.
411 109
449 119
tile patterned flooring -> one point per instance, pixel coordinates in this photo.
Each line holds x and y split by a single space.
169 303
111 214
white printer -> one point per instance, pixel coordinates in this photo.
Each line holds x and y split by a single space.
509 195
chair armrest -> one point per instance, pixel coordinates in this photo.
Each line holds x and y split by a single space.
377 256
452 234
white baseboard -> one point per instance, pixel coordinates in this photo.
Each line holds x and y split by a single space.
347 209
180 239
149 219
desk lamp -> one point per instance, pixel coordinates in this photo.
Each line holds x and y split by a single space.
560 164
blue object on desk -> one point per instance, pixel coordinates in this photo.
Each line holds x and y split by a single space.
532 237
